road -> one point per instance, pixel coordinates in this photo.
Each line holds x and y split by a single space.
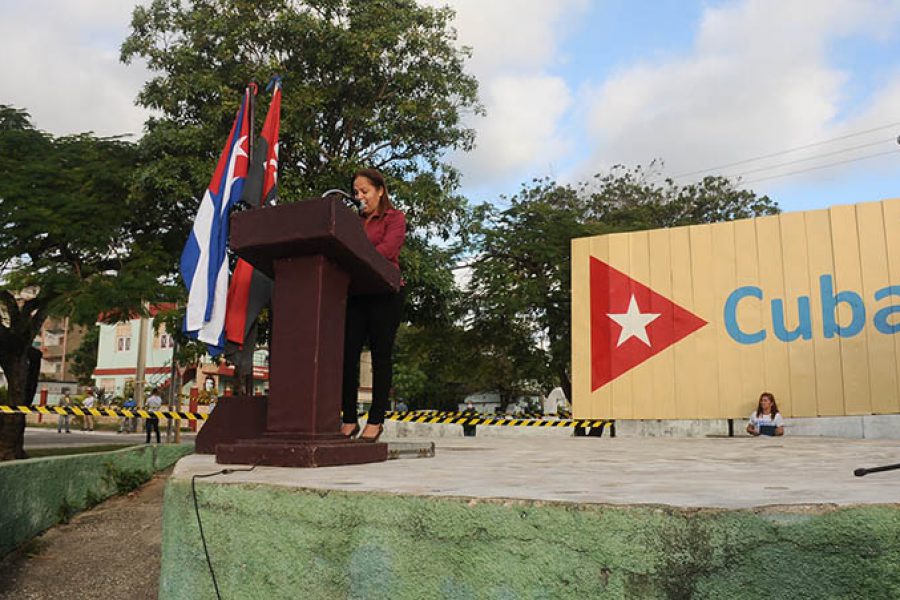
39 437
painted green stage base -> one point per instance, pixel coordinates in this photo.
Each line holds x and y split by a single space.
271 542
38 493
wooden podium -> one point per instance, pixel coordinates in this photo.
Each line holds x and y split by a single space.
317 252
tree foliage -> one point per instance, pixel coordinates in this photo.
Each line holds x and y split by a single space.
84 358
71 241
376 83
519 295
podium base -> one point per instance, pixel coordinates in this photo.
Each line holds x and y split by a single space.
298 453
235 418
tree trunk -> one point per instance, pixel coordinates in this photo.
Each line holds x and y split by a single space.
22 380
12 437
12 427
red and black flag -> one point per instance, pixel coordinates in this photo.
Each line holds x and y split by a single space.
250 290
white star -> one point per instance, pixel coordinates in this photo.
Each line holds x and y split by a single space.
634 323
239 150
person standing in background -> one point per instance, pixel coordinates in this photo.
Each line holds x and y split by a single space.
88 403
154 403
127 424
66 402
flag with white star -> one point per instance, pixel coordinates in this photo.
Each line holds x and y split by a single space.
204 264
630 323
250 290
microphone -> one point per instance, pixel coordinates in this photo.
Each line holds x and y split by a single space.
348 199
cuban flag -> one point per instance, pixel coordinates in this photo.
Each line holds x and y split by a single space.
250 290
204 263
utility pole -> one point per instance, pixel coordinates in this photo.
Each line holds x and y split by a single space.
141 362
65 348
174 396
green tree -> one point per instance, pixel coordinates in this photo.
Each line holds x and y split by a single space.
14 119
519 293
72 243
375 83
84 359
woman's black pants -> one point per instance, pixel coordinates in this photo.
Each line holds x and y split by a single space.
373 320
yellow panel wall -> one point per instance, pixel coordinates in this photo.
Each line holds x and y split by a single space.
662 371
801 357
805 305
891 212
724 276
687 369
880 348
750 316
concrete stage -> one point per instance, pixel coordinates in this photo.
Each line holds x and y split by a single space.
542 517
740 472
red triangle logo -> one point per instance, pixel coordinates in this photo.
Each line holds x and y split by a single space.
630 323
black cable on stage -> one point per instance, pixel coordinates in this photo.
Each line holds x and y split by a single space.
200 523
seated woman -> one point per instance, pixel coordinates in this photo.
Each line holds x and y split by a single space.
766 420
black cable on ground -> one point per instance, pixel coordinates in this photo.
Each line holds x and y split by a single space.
200 523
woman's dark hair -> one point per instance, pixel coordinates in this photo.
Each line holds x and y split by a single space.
770 396
377 179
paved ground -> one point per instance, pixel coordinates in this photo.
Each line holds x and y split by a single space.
38 437
696 472
111 551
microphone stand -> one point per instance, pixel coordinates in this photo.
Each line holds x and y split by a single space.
861 472
349 200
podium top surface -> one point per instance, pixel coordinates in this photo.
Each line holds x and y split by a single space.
310 227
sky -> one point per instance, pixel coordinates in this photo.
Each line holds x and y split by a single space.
574 87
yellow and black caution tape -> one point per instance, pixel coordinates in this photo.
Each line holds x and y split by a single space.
103 412
450 413
465 418
420 416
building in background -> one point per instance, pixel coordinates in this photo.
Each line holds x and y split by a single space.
117 357
58 341
117 364
117 354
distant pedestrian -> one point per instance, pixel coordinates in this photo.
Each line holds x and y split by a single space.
401 406
469 429
66 402
154 403
127 424
88 403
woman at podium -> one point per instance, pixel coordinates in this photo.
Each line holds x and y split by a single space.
373 318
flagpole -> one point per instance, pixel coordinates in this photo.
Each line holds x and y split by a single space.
254 89
252 115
